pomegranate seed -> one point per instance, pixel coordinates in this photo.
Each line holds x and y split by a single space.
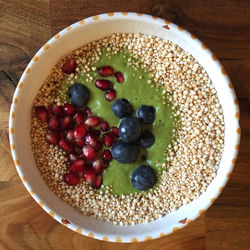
119 76
98 165
69 66
88 153
76 166
106 71
53 123
98 146
79 117
98 181
96 132
69 109
90 176
110 95
106 155
73 156
66 122
80 142
90 139
41 113
79 131
114 131
70 135
57 110
71 179
52 138
88 112
108 139
66 145
105 164
93 121
103 84
61 135
104 126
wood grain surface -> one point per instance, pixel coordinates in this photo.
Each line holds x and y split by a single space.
224 26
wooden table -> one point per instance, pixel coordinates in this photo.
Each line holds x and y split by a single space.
223 25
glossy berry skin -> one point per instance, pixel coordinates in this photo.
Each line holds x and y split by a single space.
52 138
79 117
79 131
41 113
110 95
146 140
71 179
69 66
146 114
76 166
66 145
53 123
122 108
89 153
79 94
93 121
143 178
104 126
57 110
106 71
66 122
69 109
114 131
130 129
87 112
125 152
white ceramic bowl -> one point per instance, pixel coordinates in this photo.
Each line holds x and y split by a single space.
38 69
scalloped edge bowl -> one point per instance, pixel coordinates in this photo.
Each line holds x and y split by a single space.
39 68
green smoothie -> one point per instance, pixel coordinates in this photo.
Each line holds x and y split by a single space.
137 91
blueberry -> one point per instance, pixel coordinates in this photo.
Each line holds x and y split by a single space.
146 113
147 139
122 108
125 152
143 178
130 129
79 94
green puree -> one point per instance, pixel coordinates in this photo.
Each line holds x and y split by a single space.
137 91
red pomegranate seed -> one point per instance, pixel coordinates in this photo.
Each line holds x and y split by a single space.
66 145
98 146
110 95
79 131
90 176
70 135
52 138
89 153
88 112
91 139
119 76
61 135
96 132
69 109
53 123
98 165
103 84
71 179
114 131
69 66
106 155
104 126
106 71
93 121
56 110
108 139
76 166
80 142
41 113
79 117
98 181
105 164
66 122
73 156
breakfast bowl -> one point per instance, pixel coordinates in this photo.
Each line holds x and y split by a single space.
73 37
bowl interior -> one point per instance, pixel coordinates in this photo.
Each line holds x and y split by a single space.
79 35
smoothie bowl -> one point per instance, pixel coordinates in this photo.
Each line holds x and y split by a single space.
127 133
